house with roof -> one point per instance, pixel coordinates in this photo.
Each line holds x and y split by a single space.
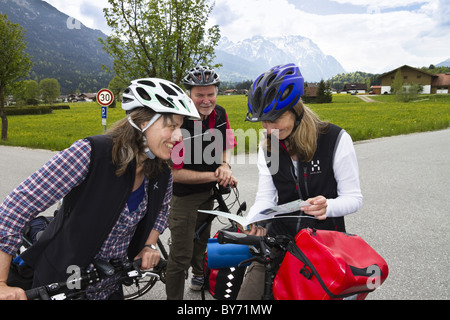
410 75
440 83
355 88
82 97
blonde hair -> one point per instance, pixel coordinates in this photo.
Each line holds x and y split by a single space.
303 141
128 144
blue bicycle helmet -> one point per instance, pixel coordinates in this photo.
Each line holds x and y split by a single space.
274 92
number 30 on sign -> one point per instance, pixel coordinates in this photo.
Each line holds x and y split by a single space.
105 97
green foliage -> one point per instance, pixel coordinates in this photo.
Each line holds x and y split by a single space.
324 93
433 69
31 92
408 92
50 89
28 110
14 62
60 47
388 117
397 84
338 81
116 85
33 110
26 92
159 38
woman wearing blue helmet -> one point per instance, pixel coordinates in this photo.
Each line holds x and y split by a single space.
315 161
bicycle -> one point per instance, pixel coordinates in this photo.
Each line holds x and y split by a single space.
141 285
262 249
331 265
128 272
219 192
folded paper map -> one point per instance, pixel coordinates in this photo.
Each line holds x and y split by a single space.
277 212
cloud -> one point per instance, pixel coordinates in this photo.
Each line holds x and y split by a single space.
382 3
361 34
89 13
94 12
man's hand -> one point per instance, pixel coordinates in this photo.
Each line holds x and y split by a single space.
224 176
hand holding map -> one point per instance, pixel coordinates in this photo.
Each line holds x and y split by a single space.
277 212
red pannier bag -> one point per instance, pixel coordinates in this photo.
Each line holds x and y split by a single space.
326 265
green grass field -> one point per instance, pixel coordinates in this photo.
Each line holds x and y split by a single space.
360 119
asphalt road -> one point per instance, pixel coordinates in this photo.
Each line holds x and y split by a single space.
405 182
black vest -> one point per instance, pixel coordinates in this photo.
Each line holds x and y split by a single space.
203 149
88 214
314 178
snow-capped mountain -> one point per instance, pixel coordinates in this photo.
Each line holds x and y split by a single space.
247 59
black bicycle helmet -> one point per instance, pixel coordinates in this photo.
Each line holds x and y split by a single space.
201 76
274 92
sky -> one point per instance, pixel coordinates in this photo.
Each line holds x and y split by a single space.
363 35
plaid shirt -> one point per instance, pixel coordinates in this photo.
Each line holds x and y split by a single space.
51 183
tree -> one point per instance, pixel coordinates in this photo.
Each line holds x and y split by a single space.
50 89
32 91
324 93
397 84
409 92
116 85
14 62
26 92
159 38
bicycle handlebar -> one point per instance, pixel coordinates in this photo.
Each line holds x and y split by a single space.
239 238
101 270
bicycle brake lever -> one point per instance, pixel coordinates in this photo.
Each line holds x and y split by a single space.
258 259
150 274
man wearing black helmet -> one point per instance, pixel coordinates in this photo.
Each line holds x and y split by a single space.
200 161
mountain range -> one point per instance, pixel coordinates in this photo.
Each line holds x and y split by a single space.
63 48
247 59
60 47
445 63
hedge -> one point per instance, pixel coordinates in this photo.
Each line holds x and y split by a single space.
18 111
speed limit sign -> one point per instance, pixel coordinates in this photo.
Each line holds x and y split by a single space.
105 97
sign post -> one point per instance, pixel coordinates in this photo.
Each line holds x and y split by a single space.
105 98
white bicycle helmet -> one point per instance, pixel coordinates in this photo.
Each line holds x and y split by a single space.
160 95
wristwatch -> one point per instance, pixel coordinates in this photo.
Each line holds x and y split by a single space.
152 246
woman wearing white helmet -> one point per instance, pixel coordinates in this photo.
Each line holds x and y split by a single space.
116 189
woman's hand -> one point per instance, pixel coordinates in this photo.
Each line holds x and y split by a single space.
317 208
254 230
11 293
150 258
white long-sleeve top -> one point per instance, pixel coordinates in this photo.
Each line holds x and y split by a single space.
346 172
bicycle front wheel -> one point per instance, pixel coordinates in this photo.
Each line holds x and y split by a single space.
139 288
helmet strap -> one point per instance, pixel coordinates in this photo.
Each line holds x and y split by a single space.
147 150
298 120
